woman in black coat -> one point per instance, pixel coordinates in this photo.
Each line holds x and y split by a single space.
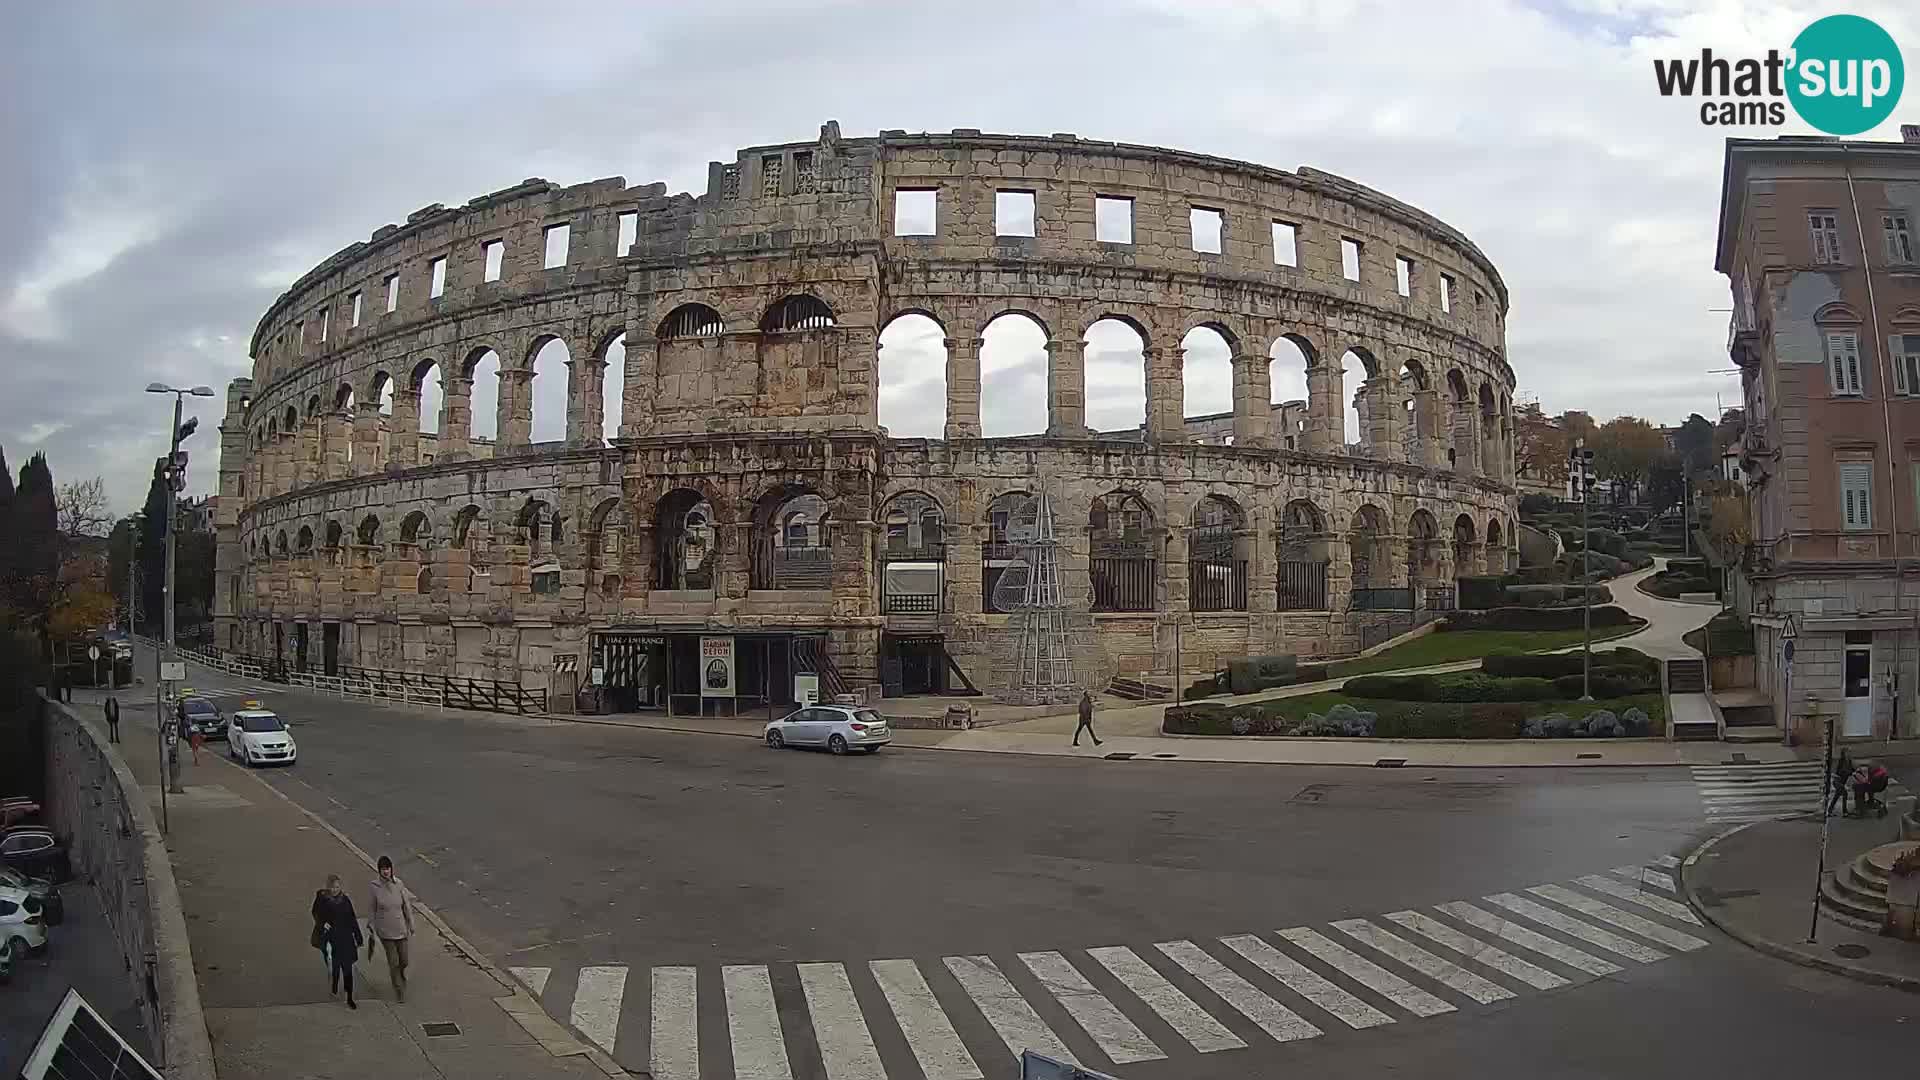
338 928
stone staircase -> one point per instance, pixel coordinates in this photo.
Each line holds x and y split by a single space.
1138 690
1686 676
1856 894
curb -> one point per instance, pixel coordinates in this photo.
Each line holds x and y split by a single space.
1776 949
518 1004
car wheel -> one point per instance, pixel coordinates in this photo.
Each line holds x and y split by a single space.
837 744
774 740
19 947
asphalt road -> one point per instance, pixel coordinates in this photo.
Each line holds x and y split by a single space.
560 848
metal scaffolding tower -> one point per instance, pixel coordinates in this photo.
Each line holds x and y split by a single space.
1043 663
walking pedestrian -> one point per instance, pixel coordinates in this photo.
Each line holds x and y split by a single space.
335 922
1086 719
1842 773
112 709
188 733
390 918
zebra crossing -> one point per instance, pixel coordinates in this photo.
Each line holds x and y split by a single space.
216 692
964 1017
1736 793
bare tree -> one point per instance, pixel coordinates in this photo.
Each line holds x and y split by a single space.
82 509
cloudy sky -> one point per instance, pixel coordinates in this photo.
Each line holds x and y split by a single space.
170 168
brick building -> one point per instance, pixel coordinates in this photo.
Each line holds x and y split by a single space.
1817 239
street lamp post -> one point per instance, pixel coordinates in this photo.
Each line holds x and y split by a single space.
175 475
1580 471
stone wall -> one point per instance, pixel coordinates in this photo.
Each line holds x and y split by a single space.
95 803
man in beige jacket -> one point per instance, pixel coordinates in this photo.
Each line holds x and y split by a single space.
391 919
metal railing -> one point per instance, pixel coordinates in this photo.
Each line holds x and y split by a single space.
378 684
1217 585
1124 584
1302 586
1381 599
1441 598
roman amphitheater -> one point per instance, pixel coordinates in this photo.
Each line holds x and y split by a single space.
750 503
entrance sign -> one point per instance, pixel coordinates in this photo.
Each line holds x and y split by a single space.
716 667
173 670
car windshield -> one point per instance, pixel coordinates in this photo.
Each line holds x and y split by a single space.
201 708
268 722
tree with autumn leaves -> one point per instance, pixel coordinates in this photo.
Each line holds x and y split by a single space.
52 570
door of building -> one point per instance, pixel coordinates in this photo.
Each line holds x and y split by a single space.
1856 720
299 646
330 648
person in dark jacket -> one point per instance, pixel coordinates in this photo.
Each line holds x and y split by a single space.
1086 719
339 928
112 709
1842 774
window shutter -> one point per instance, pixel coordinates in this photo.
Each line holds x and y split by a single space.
1856 485
1853 364
1819 239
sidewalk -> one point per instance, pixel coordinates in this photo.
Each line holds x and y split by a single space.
1756 883
248 862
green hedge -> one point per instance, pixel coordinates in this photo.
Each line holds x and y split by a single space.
1221 682
1536 619
1475 687
1391 719
1554 665
1603 685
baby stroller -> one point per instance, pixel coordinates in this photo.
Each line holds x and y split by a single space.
1868 782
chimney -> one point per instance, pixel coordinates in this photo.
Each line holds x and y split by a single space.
1910 133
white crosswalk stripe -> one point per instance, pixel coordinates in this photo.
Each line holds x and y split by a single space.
1735 793
1433 967
1474 949
1306 982
675 1044
1573 927
930 1035
846 1047
753 1023
1116 1035
1275 1019
1193 1023
1625 920
1671 909
1509 930
1367 973
1646 877
1017 1024
596 1004
1348 968
1665 862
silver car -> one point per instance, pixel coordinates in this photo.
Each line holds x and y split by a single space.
839 728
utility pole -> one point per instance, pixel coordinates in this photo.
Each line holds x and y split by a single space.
174 473
1580 470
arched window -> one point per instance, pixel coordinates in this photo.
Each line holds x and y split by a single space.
1217 557
415 530
1125 567
791 542
1372 574
1301 577
369 531
691 321
1009 528
685 555
306 540
913 560
796 313
1423 549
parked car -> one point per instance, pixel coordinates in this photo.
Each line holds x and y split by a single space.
257 736
42 889
35 852
839 728
204 715
23 924
16 810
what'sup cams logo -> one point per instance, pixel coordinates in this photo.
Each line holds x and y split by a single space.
1843 75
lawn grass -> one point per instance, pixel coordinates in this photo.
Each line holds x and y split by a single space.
1448 646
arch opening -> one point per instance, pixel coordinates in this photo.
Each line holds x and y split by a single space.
912 371
1289 395
550 392
1124 545
1013 376
1218 545
484 397
1206 385
913 557
613 386
1116 379
792 540
685 555
1302 542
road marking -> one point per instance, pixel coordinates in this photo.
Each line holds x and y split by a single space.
1274 1018
930 1035
1474 949
1116 1035
1646 900
846 1047
1193 1023
675 1046
1606 939
753 1023
1666 862
1646 877
596 1004
1446 972
1527 939
534 977
1306 982
1017 1024
1625 920
1367 973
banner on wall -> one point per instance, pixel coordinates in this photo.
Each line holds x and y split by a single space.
716 667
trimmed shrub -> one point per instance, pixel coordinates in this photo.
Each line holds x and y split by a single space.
1207 718
1260 673
1392 687
1465 686
1341 721
1499 720
1636 722
1477 593
1531 665
1206 687
1536 619
1603 686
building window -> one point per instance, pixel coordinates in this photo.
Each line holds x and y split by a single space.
1286 251
1446 293
629 231
326 322
915 212
1112 219
1899 236
1843 363
558 237
770 175
393 292
355 301
1856 495
494 254
1350 258
730 182
1906 363
1013 213
1207 228
1825 227
546 580
437 280
1403 275
300 336
803 176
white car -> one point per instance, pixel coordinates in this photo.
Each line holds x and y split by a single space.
23 924
256 736
839 728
